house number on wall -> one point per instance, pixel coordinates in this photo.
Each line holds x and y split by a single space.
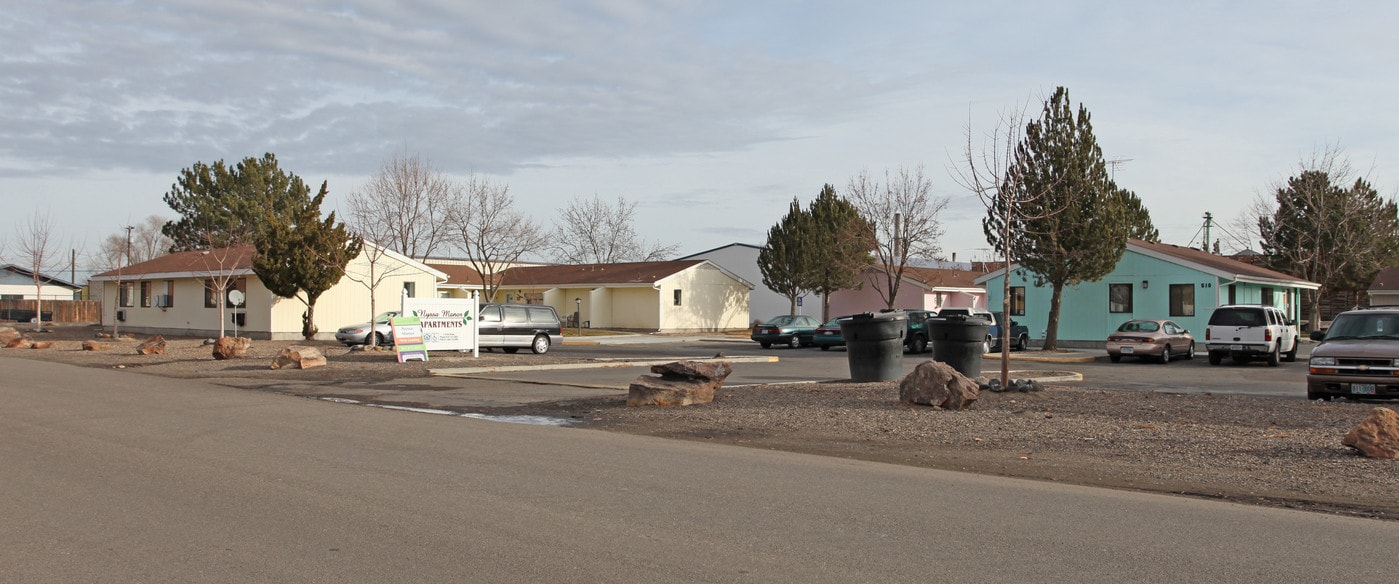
1206 284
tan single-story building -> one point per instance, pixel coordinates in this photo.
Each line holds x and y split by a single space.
670 296
179 294
920 289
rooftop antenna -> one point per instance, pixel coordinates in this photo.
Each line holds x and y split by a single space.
1116 162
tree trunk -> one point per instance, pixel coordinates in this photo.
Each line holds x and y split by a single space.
1051 333
793 308
1315 324
308 319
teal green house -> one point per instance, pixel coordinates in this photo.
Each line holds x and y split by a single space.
1152 280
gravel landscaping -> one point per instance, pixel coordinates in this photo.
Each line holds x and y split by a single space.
1268 451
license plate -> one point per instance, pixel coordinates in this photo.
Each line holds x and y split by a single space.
1127 350
1362 388
1236 347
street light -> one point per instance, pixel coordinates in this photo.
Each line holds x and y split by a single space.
578 314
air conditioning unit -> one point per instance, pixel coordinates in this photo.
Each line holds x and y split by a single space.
121 316
164 301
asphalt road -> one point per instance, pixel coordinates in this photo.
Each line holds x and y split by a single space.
810 364
116 476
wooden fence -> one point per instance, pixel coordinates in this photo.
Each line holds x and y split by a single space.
61 310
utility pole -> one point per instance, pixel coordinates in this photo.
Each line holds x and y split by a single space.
116 302
1209 221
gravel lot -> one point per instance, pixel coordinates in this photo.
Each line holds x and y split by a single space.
1268 451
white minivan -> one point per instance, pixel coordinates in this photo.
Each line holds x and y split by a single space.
1244 332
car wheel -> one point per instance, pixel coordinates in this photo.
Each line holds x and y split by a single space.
511 350
1022 342
1273 357
1115 358
1166 355
918 345
540 345
794 342
766 345
986 346
1190 351
1292 355
379 340
1216 358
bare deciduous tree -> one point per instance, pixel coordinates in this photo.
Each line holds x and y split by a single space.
988 170
35 247
221 271
905 216
379 265
591 231
405 207
493 235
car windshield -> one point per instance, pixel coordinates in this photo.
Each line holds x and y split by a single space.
1139 326
384 317
833 323
1364 326
781 321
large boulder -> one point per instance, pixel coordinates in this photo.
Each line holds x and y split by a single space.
41 345
299 357
934 383
95 346
8 334
1377 436
681 383
231 347
152 346
19 342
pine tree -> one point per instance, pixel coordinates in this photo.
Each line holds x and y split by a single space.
1074 226
787 261
219 206
1138 219
844 241
1335 236
302 256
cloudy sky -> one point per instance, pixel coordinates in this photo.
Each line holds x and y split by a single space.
711 115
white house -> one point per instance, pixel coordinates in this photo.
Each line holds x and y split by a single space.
17 283
178 294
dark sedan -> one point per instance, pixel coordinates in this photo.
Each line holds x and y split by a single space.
793 330
828 335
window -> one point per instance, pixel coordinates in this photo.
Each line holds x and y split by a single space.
1231 295
1182 300
211 292
169 292
1119 298
677 298
126 295
1267 296
145 294
1017 301
411 288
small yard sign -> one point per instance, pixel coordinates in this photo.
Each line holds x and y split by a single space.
408 338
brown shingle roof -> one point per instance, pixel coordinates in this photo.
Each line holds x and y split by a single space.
1387 279
458 274
227 259
941 277
1219 263
595 274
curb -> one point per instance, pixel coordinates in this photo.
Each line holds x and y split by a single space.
474 371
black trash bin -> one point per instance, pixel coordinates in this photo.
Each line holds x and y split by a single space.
959 341
874 345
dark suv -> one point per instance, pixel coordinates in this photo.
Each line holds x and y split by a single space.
1358 356
512 327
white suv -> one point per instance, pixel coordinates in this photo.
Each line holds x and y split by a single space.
1243 332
